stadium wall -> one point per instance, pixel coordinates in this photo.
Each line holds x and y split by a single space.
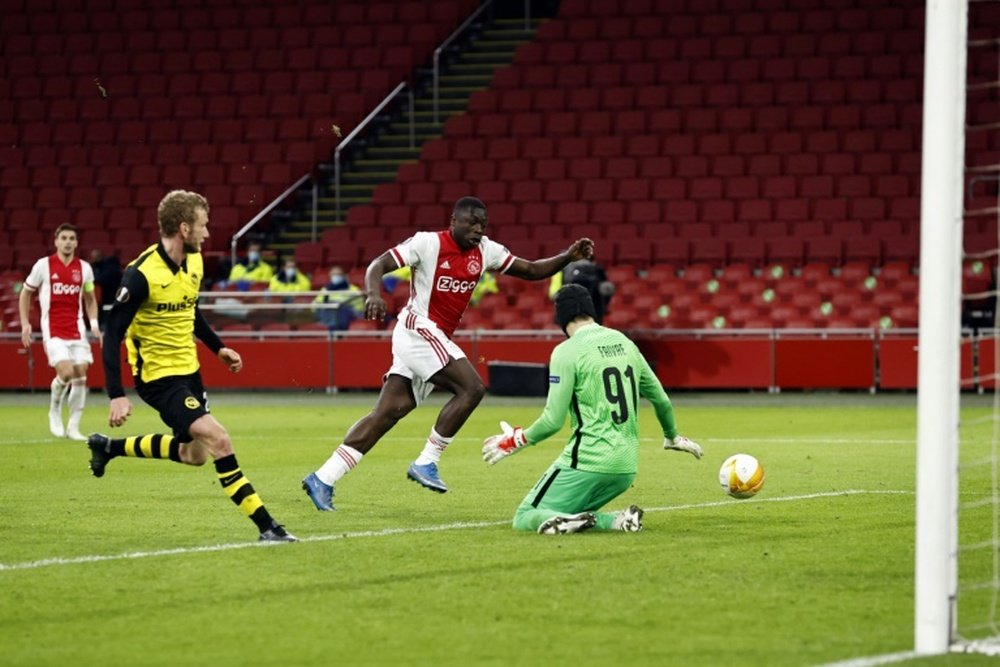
766 361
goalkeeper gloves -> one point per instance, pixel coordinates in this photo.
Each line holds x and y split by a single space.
504 444
682 444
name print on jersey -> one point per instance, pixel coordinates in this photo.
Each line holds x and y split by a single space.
616 350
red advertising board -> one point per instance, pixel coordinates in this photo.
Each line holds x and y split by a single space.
713 362
897 362
694 361
824 363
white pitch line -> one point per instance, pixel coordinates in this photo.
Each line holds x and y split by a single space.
763 440
783 499
873 660
462 525
134 555
810 441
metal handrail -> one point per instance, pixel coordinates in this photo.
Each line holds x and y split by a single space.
350 137
442 45
257 218
336 155
295 186
276 300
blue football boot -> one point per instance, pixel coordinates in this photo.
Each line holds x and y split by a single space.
427 476
320 493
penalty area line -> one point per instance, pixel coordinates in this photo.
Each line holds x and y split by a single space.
780 499
180 551
385 532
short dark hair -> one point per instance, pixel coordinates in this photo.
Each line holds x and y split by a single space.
468 205
65 227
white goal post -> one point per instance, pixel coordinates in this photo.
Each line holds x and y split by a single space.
941 222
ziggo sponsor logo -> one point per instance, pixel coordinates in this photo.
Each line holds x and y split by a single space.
63 288
449 284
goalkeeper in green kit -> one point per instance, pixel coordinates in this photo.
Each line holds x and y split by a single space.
597 375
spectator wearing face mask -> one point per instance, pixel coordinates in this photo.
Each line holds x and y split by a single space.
251 270
344 295
289 279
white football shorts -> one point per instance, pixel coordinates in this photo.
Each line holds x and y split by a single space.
75 351
419 350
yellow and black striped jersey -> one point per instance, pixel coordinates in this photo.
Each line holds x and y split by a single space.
156 311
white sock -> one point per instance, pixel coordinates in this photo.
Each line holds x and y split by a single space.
77 399
58 394
341 462
435 444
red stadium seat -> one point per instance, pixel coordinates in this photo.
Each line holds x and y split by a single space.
635 252
711 251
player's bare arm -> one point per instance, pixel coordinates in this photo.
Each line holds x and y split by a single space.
23 309
375 307
543 268
90 306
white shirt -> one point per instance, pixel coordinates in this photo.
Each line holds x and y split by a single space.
444 275
60 292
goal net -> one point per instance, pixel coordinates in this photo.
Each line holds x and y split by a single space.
976 624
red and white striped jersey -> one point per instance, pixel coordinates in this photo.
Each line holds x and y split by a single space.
60 293
444 275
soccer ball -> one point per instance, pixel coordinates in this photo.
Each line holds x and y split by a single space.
741 476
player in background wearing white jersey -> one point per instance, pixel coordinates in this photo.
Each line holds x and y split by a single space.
446 266
63 282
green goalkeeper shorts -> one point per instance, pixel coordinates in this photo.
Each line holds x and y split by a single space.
563 490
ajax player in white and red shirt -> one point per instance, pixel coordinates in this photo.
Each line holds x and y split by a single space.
445 266
63 282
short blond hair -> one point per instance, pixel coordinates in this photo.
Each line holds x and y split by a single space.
176 207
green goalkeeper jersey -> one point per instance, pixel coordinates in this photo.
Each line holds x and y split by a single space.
598 375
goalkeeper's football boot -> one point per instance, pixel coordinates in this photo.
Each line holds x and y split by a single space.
320 493
276 533
630 520
426 475
99 456
574 523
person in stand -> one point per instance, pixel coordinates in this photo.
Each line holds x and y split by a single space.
65 287
339 296
289 279
156 313
107 276
596 376
590 275
252 270
446 267
487 285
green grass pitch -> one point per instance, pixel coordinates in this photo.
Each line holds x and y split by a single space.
124 570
